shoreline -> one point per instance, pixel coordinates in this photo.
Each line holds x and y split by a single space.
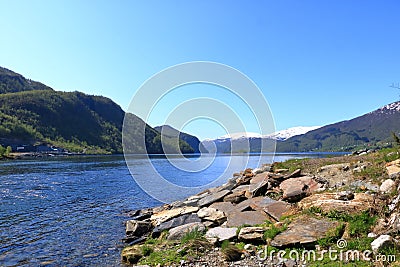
267 206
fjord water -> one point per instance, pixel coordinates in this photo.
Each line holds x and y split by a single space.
70 211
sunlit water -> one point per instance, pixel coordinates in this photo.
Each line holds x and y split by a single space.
71 211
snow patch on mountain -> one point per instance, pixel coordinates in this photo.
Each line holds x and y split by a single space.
286 134
279 135
390 107
242 135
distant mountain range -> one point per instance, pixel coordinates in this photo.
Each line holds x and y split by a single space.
34 115
242 142
368 131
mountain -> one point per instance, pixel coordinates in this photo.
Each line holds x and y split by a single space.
290 132
11 82
33 115
251 142
192 141
369 130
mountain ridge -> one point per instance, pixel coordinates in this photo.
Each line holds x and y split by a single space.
33 115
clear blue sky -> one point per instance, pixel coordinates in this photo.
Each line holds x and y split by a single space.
317 62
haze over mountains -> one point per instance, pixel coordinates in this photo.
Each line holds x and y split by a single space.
33 114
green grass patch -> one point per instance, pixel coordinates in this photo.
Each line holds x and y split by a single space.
192 235
274 231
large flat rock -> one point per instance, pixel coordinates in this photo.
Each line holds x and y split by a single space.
221 233
212 214
295 189
179 231
255 203
181 220
166 215
214 197
259 178
303 231
276 209
225 207
237 219
251 234
331 201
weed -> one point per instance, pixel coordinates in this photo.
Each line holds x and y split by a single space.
146 250
332 236
192 235
273 231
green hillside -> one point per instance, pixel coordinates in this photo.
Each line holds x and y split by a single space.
11 82
192 141
32 113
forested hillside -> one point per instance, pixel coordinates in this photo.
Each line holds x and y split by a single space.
32 113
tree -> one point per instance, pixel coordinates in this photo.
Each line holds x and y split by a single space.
396 139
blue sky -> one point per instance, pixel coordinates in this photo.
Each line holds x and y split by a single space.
317 62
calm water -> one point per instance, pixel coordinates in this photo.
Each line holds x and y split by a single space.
71 211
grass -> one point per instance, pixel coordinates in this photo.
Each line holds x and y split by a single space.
160 251
358 224
332 236
192 235
274 231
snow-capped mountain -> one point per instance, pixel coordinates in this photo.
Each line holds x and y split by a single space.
252 142
290 132
241 135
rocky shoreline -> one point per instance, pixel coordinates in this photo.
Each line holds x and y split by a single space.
299 205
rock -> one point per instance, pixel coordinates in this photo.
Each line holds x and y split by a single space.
328 202
137 228
140 215
166 215
364 186
225 207
344 195
295 189
257 171
244 180
394 202
387 186
276 209
336 174
235 197
131 254
181 220
251 234
259 178
294 174
256 203
381 242
221 233
393 169
260 189
208 200
237 219
211 214
372 235
281 170
304 231
179 231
